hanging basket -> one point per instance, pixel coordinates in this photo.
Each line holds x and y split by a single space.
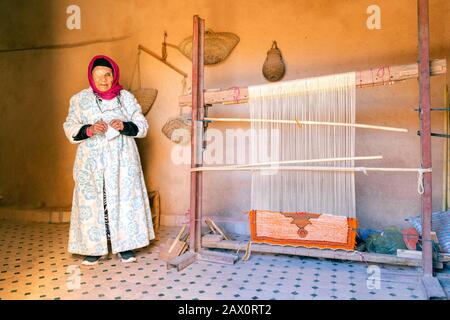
146 98
218 46
178 130
274 68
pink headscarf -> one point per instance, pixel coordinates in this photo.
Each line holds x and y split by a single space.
115 88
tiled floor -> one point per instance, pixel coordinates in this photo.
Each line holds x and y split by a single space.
35 264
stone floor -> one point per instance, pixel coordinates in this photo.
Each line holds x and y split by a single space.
35 264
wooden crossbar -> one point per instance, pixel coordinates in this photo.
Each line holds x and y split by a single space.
366 78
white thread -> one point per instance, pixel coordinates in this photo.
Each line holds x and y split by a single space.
329 99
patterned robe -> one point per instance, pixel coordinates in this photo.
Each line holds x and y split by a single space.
116 165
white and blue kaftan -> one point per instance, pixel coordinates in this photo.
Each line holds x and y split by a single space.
114 164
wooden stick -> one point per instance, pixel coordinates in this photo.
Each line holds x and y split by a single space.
216 227
177 238
297 122
154 55
367 78
308 168
289 162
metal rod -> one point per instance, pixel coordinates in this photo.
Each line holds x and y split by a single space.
435 109
425 137
440 135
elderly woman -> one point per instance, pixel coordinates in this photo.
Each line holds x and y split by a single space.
110 200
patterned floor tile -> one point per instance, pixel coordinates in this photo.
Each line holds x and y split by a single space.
35 264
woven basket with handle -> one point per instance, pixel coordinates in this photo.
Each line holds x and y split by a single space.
218 46
145 96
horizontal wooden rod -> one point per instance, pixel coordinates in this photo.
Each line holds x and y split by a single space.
312 168
291 162
302 122
150 52
313 252
364 79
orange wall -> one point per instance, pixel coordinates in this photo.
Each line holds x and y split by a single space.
316 38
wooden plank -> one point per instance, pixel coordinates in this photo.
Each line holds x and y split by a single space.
217 228
210 225
182 261
317 253
219 257
424 71
212 237
366 78
172 248
414 254
176 247
433 289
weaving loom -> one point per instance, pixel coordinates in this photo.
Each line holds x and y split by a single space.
308 208
200 99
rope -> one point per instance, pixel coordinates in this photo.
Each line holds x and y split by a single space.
420 186
248 251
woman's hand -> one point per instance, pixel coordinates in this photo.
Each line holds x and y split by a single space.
116 124
99 127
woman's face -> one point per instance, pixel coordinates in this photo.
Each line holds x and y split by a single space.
103 78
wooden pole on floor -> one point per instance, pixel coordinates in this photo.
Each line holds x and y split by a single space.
432 287
197 133
425 137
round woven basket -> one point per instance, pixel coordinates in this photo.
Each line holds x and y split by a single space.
274 68
178 130
218 46
146 97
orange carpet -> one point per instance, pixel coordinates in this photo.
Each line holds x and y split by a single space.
303 229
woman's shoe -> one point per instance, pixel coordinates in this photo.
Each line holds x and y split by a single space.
91 260
127 256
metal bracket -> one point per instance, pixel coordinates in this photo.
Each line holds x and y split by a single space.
434 109
205 124
440 135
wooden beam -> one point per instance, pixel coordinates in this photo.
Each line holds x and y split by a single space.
366 78
182 261
154 55
433 289
312 252
312 168
219 257
302 122
425 136
197 132
271 163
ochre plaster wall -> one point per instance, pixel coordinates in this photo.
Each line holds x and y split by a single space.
316 38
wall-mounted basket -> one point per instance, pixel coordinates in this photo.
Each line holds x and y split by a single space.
218 46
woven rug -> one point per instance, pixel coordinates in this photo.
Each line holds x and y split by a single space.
304 229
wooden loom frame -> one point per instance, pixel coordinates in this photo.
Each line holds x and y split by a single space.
201 99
